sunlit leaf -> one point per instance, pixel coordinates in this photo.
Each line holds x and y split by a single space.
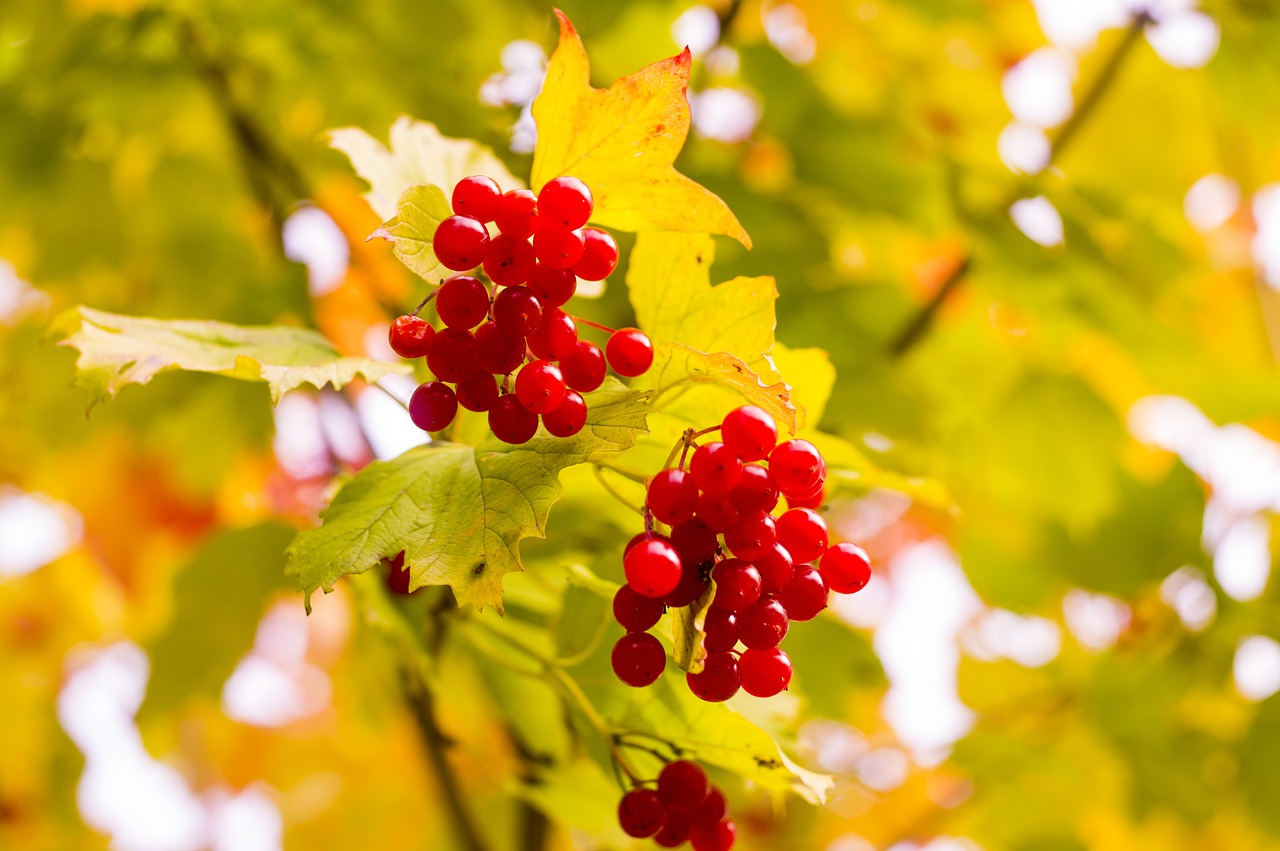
411 231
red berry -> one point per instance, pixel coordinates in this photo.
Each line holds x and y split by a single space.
641 813
672 496
764 625
719 837
509 260
629 351
755 491
717 511
635 612
569 416
564 202
599 255
516 213
776 569
653 568
555 336
720 626
692 585
719 679
715 468
675 831
499 351
712 809
638 659
433 406
752 537
737 585
638 539
398 575
517 311
462 302
584 367
682 785
805 595
553 287
813 501
750 432
453 355
476 196
846 568
803 532
410 336
510 422
694 541
765 672
796 466
540 387
478 393
558 248
460 243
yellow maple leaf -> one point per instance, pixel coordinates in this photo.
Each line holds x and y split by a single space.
622 142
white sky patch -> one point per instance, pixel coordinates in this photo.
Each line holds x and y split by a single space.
1184 39
867 608
340 427
1095 620
1186 592
1038 220
18 299
1038 89
386 424
724 114
835 746
299 441
524 67
698 29
1030 641
248 821
314 239
275 684
34 530
723 61
1211 202
883 769
1266 239
1256 667
1023 148
787 28
1075 24
1242 558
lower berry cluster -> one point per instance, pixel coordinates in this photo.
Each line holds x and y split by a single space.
684 807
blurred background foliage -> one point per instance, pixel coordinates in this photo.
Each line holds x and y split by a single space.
1040 241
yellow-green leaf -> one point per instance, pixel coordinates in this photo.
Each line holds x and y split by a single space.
412 229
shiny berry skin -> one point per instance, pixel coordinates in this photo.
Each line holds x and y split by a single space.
460 243
638 659
569 416
813 501
517 311
462 302
691 586
564 203
846 568
715 467
796 466
653 568
516 215
672 497
718 680
737 585
765 672
478 393
805 595
750 432
638 539
584 367
553 287
510 422
599 255
509 261
694 541
476 196
556 248
776 567
540 387
717 511
712 809
433 406
635 612
641 813
803 532
720 628
398 575
752 537
499 351
764 625
555 336
719 837
755 491
682 785
675 830
410 336
453 355
629 351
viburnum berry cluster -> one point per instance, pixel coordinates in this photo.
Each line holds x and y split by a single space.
769 565
684 806
510 349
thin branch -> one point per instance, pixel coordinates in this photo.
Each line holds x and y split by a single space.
396 398
613 492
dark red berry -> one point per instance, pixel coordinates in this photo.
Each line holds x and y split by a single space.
752 537
803 532
453 355
410 336
584 367
796 466
629 351
846 568
477 393
462 302
813 500
476 196
599 255
764 625
641 813
516 213
558 248
718 680
500 351
653 568
692 585
540 387
569 416
672 497
460 243
635 612
717 511
509 261
694 541
755 491
433 406
715 467
720 626
398 574
564 202
776 569
750 432
737 585
638 659
675 831
555 336
682 785
517 311
719 837
712 809
510 422
805 595
553 287
765 672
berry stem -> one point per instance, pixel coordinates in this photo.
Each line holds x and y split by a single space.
596 325
426 300
396 398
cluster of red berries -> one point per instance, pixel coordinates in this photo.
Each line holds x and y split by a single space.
684 807
520 325
764 571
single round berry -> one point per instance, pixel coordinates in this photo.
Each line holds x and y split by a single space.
682 785
694 541
453 355
500 351
599 255
478 393
653 568
462 302
638 539
433 406
805 595
796 466
675 830
776 567
555 336
752 537
629 351
720 630
765 672
540 387
845 567
564 202
803 532
641 813
476 196
635 612
516 214
558 248
737 585
712 809
517 310
569 416
755 491
718 680
692 585
672 497
813 500
553 287
638 659
750 432
509 261
398 575
410 336
719 837
510 422
764 625
460 243
584 367
717 511
715 467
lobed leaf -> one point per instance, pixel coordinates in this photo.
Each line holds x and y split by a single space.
411 231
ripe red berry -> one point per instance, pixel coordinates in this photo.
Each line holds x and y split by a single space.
718 680
635 612
764 625
653 568
584 367
796 466
398 575
569 416
433 406
803 532
776 569
846 568
509 261
462 302
516 213
720 628
715 468
599 255
694 541
460 243
510 422
719 837
712 809
765 672
813 500
410 336
805 595
558 248
500 351
553 287
737 585
453 355
540 387
717 511
750 432
517 310
477 393
672 496
755 491
675 830
629 351
692 585
564 202
682 785
476 196
641 813
555 336
752 537
638 539
638 659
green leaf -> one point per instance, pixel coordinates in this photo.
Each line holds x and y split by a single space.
687 625
458 512
119 350
412 229
1258 755
674 364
